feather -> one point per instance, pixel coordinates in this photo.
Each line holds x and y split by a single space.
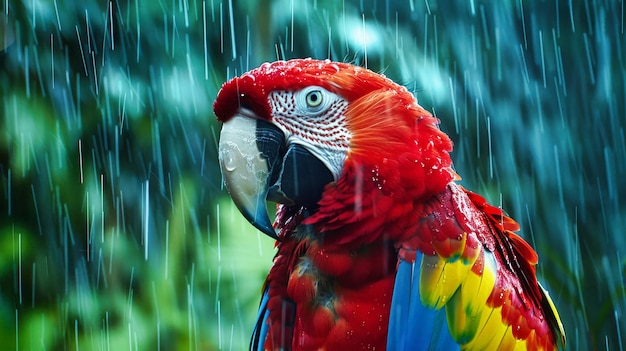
480 273
412 325
261 327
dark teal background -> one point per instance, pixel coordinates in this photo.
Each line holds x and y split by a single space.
115 230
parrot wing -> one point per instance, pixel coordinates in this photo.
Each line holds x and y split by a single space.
466 279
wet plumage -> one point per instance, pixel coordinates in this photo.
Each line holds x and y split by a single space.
378 246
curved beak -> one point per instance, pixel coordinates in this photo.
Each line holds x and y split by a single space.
259 165
247 169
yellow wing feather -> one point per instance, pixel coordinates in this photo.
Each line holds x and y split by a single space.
464 292
467 308
440 278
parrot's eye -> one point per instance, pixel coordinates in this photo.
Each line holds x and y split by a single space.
314 98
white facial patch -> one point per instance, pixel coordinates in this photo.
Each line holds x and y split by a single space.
314 118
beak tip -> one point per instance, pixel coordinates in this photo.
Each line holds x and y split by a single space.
261 221
269 231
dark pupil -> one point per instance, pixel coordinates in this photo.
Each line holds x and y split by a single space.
314 97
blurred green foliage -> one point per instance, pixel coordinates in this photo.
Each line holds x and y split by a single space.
115 231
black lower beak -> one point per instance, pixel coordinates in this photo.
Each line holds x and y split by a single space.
301 179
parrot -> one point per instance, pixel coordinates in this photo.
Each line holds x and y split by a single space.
377 245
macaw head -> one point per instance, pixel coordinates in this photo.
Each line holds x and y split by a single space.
327 136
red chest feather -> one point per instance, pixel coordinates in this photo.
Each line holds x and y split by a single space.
322 298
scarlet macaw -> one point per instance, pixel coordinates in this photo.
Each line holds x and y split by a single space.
377 246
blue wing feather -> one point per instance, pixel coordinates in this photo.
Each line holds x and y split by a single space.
412 326
261 328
